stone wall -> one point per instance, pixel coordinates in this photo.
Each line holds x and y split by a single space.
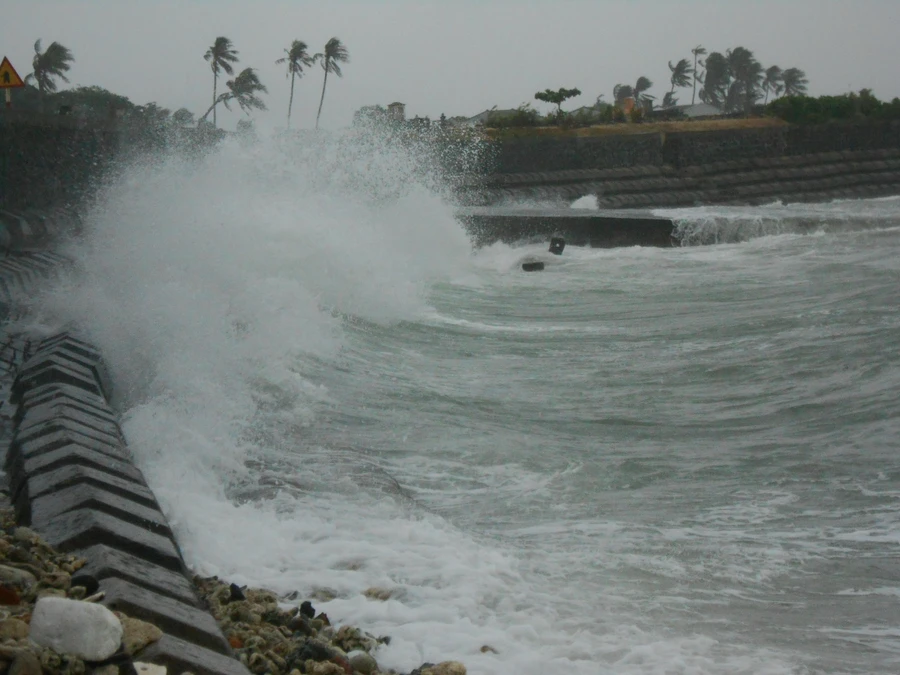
686 148
570 153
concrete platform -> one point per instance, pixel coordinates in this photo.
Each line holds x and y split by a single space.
598 229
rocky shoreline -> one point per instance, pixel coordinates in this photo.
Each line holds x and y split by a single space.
51 623
270 635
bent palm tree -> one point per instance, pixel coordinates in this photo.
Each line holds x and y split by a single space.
697 51
681 74
244 89
642 85
335 54
49 66
220 56
297 58
772 81
793 82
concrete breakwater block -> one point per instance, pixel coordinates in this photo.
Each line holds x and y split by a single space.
72 480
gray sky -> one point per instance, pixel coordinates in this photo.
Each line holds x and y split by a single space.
452 56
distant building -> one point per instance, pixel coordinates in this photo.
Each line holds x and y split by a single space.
397 112
698 110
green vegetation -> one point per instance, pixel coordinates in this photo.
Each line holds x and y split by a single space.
557 97
297 58
847 107
331 59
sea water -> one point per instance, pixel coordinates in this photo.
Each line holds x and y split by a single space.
640 460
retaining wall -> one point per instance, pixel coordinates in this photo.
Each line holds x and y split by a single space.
71 478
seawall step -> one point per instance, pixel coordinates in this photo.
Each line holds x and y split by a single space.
72 480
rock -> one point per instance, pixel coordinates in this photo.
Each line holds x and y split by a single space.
378 593
13 629
326 668
362 662
148 668
8 596
84 629
26 535
236 593
137 634
12 576
111 669
443 668
300 624
25 663
307 610
487 649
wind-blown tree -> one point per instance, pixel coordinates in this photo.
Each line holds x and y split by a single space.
747 74
681 77
716 81
48 66
557 97
793 82
220 56
245 89
669 100
772 82
697 51
638 92
331 59
297 58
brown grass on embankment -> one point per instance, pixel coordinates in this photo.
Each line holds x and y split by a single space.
626 128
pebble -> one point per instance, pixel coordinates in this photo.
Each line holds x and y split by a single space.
75 627
148 668
137 634
13 629
12 576
26 663
362 662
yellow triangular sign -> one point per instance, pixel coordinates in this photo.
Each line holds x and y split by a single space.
9 78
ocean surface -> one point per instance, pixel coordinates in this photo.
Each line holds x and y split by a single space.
640 460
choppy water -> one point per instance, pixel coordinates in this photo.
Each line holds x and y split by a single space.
638 461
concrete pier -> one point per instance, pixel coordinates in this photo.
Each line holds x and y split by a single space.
597 229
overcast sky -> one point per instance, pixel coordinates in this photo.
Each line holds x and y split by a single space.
458 57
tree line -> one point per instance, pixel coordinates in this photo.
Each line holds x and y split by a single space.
51 65
733 81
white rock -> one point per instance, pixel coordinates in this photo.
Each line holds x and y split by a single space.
76 628
149 668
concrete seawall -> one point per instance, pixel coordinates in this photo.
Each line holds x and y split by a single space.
579 228
70 477
735 166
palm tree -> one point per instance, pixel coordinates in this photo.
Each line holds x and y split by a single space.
642 85
716 81
794 82
621 92
244 89
48 66
697 51
681 74
335 54
747 74
297 57
772 82
220 56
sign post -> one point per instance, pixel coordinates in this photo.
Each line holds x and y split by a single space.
9 79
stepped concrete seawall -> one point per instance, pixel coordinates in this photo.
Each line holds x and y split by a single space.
690 168
70 476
